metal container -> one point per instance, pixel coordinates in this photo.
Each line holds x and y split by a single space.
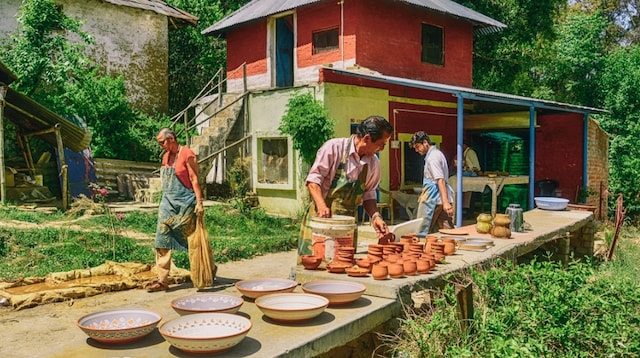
515 214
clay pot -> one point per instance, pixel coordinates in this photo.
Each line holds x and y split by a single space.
502 220
410 267
437 247
380 271
364 263
396 270
501 232
310 262
448 239
449 248
393 257
374 259
432 238
423 266
404 239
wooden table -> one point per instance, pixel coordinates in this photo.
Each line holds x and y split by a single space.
496 184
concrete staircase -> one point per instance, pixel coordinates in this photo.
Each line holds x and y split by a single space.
217 122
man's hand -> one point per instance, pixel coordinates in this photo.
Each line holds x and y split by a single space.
380 226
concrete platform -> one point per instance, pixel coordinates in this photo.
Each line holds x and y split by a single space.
50 331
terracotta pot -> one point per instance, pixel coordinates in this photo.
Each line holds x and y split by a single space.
432 238
410 267
501 232
374 259
423 266
380 271
449 248
396 270
437 247
502 220
404 239
364 263
310 262
448 239
394 257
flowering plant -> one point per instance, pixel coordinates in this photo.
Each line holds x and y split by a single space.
98 193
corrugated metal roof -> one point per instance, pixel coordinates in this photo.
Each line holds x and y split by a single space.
32 117
258 9
159 7
472 93
6 76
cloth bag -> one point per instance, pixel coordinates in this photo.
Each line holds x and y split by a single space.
201 263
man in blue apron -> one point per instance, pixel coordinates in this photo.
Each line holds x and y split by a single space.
346 173
434 203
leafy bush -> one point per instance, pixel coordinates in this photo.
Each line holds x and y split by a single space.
308 124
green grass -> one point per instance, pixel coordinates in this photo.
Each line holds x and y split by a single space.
25 252
540 308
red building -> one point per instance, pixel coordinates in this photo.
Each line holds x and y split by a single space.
416 57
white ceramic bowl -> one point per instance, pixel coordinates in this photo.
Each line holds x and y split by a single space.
551 203
254 288
118 326
292 307
417 190
206 333
207 302
337 292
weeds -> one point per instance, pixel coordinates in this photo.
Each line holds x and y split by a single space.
534 309
234 235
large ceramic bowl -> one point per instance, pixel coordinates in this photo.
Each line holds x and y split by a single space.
337 292
292 307
551 203
254 288
119 326
205 333
207 302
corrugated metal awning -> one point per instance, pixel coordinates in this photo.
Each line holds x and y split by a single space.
258 9
31 117
472 93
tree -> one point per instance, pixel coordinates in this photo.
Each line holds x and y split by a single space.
56 72
193 57
507 61
619 84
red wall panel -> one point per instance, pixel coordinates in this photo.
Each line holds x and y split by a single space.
389 41
559 149
248 44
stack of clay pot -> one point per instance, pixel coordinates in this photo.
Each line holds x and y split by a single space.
400 259
500 227
345 254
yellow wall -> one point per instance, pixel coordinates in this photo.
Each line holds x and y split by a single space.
348 104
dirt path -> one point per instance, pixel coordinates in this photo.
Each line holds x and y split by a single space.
50 330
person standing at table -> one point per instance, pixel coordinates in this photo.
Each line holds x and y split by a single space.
435 202
470 167
346 173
